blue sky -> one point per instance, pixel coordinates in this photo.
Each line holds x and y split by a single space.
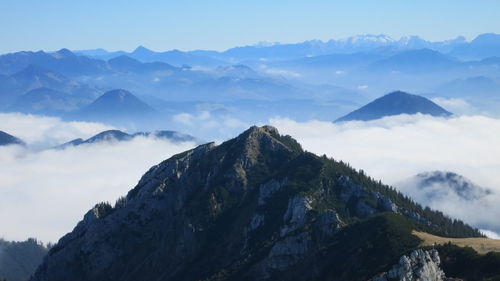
221 24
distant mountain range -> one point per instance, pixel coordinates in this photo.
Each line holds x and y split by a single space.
485 45
416 61
395 103
119 136
58 89
62 61
323 77
7 139
478 87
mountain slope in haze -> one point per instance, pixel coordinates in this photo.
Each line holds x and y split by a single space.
483 46
7 139
118 136
256 207
395 103
62 61
116 104
177 58
34 77
478 87
46 101
436 185
424 60
19 260
40 89
127 64
281 51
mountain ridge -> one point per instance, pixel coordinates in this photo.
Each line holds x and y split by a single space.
119 136
256 207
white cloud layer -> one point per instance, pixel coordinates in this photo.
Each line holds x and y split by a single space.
396 148
41 132
44 194
456 106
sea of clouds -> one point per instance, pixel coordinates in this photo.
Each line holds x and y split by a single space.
394 149
45 192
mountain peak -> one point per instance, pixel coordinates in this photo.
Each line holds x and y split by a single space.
487 38
141 49
395 103
268 138
117 103
65 52
119 93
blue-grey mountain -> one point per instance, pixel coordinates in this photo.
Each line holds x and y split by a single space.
116 104
395 103
8 139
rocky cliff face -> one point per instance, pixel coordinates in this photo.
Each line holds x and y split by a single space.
256 207
419 265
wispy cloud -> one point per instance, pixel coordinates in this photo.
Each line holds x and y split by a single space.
455 105
41 132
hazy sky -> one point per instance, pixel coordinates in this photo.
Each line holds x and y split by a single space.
221 24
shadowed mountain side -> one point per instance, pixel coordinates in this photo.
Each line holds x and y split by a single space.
19 260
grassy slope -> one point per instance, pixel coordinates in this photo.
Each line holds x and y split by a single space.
481 245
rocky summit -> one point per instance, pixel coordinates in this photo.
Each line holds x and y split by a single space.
256 207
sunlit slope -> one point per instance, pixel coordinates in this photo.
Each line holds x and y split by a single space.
481 245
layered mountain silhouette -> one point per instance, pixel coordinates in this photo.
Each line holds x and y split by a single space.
46 101
424 60
7 139
62 61
118 136
484 45
127 64
395 103
256 207
479 87
278 51
38 90
18 260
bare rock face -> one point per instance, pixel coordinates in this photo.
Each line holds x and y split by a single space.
419 265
